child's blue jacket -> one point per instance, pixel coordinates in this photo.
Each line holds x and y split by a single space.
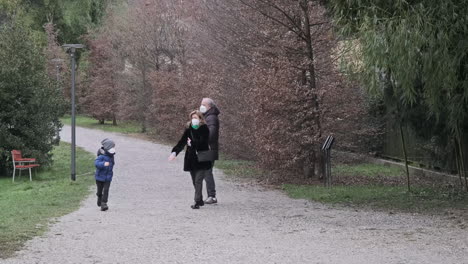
104 173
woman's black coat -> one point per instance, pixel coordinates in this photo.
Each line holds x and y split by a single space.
199 142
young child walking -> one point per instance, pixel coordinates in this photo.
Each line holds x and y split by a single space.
104 171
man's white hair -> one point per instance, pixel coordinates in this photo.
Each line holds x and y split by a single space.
209 101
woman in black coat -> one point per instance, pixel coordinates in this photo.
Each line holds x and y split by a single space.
196 137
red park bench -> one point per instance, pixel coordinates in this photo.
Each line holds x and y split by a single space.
20 163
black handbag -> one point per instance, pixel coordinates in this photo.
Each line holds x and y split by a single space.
205 155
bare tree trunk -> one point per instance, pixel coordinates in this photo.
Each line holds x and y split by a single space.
143 106
322 163
406 157
311 79
461 158
114 120
311 66
457 163
309 166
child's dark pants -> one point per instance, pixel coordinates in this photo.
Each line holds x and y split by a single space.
103 190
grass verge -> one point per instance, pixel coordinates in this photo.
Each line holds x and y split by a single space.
238 168
27 207
124 127
368 170
421 199
384 197
389 193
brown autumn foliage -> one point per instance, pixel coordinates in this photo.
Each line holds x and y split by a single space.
101 101
154 47
57 66
276 56
269 65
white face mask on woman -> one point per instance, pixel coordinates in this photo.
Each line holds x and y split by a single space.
195 123
203 109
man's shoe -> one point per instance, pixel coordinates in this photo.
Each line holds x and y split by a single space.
211 200
104 207
195 206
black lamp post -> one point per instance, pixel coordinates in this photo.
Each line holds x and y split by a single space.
71 49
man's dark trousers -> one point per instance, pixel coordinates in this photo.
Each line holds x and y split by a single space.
210 183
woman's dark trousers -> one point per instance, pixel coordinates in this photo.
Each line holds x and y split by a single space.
197 179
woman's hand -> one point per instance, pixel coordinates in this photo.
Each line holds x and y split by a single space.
172 156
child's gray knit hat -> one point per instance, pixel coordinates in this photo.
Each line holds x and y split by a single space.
107 143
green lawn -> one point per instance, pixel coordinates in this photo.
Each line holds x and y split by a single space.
390 193
238 168
385 197
27 207
421 199
125 127
368 170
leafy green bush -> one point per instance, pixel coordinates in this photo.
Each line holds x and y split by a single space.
30 106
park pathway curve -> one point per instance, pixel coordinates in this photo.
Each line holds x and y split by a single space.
150 221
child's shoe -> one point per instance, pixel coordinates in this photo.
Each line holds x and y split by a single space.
104 207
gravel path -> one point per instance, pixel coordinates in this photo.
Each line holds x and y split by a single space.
150 221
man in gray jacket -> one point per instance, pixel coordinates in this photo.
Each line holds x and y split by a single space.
211 112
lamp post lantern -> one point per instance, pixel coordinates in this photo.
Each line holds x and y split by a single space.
71 49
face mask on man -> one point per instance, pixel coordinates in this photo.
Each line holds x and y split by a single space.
195 123
111 151
203 109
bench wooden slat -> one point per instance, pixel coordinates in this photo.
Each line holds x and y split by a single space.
27 166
